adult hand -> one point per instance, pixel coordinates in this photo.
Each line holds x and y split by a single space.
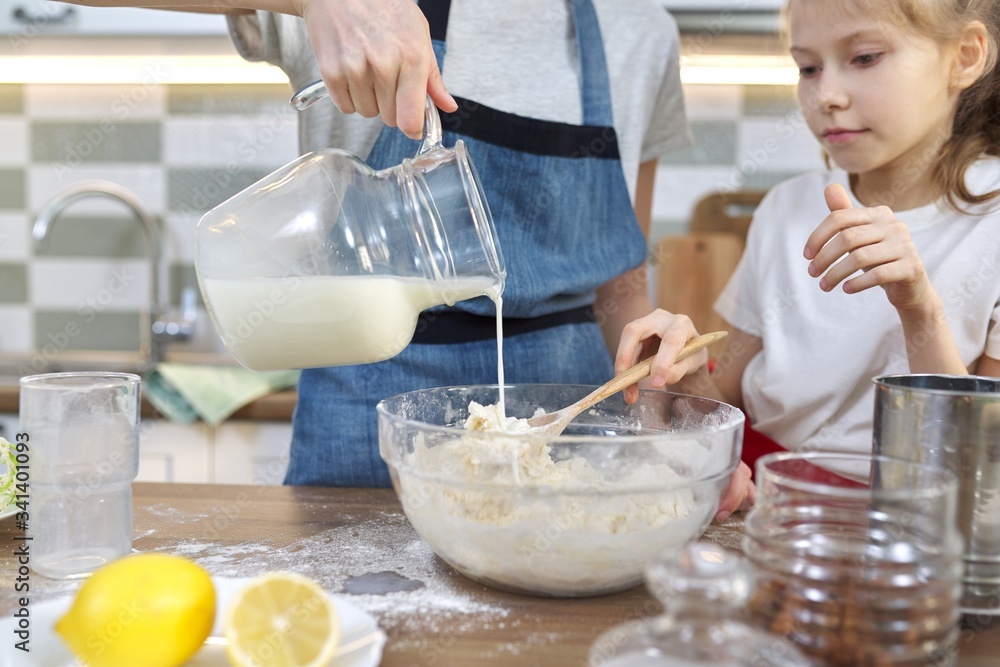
665 334
739 495
871 240
376 57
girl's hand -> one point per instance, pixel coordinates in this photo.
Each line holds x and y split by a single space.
664 334
871 240
376 57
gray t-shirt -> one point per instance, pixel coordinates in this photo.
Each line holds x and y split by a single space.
518 56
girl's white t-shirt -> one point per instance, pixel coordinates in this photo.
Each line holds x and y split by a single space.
811 388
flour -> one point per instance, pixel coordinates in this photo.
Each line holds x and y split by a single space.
532 521
166 512
491 419
443 602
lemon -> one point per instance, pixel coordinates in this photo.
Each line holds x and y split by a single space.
150 609
281 619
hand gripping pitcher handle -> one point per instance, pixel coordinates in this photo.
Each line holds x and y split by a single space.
316 91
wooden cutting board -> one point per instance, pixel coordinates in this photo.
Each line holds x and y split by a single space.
691 271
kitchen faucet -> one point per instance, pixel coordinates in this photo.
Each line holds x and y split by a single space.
157 326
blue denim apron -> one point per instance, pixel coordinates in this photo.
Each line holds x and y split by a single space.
566 225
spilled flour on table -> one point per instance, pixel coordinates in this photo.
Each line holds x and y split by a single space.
165 511
380 554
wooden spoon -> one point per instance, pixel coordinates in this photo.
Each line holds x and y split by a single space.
554 423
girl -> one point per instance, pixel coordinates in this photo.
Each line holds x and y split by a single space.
904 97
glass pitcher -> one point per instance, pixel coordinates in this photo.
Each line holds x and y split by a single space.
327 262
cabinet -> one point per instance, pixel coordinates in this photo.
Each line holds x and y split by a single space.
251 452
236 452
171 452
28 18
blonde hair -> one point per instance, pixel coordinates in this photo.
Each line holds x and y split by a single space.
976 127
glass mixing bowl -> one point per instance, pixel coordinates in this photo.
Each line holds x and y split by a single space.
573 515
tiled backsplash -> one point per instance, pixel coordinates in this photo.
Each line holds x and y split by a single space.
181 149
184 148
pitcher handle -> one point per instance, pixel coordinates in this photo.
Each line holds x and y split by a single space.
432 128
315 91
308 96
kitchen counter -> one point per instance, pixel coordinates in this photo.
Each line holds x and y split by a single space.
274 407
359 541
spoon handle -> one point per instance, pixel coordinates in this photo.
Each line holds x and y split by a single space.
642 369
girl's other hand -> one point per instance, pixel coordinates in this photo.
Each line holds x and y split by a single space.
739 495
664 334
870 240
376 58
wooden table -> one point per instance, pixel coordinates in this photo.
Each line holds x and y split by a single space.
358 542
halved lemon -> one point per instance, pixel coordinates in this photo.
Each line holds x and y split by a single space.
281 619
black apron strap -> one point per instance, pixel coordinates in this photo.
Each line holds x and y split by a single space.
436 12
454 326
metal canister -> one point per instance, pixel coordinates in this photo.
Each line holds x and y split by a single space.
953 421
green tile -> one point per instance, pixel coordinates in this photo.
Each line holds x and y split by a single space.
12 98
198 190
714 144
78 236
72 143
181 277
769 100
68 330
13 283
668 227
229 99
12 189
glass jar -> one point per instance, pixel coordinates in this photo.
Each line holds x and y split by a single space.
702 589
857 558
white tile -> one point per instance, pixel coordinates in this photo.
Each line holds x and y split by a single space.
13 142
268 140
713 102
146 181
17 331
79 284
15 237
780 143
678 188
96 102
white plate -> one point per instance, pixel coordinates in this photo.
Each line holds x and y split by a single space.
361 641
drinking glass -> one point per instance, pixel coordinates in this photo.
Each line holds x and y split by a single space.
83 439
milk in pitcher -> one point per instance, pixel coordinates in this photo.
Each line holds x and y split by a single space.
315 321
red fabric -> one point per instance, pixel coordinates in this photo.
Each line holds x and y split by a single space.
756 445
